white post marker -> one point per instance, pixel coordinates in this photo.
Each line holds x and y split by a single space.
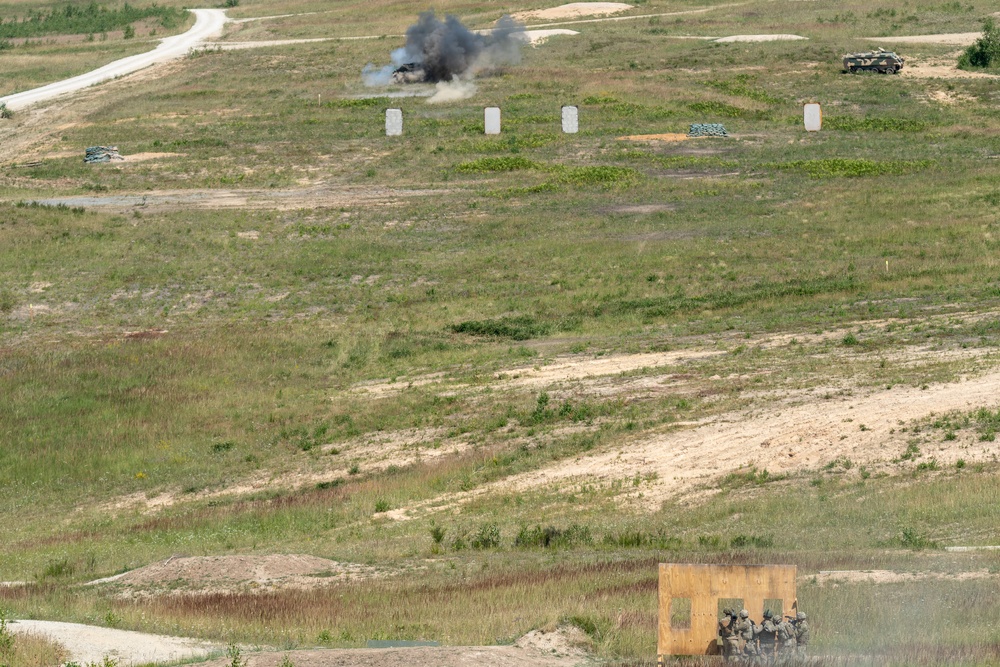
393 122
492 120
570 120
813 117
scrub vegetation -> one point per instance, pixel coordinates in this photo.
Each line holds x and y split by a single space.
285 330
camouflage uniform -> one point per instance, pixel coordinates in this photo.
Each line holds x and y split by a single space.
766 633
745 630
801 634
730 640
786 641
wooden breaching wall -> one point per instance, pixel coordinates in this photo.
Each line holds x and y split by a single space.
704 586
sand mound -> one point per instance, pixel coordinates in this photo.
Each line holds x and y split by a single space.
214 574
760 38
574 10
536 37
566 641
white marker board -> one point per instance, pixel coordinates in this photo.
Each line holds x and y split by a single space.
492 120
813 117
570 120
393 122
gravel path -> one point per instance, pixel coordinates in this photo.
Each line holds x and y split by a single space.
88 644
208 23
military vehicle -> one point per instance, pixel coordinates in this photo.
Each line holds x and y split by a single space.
409 73
879 60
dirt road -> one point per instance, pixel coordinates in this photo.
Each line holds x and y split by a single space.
208 23
563 647
90 644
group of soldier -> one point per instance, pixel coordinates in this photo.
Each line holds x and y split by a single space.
776 640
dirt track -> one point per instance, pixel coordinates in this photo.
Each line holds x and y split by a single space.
209 22
90 644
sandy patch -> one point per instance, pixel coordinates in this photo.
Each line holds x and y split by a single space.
314 197
564 370
573 10
940 69
536 37
759 38
143 157
371 452
955 38
835 577
669 136
215 574
805 433
88 644
949 97
568 368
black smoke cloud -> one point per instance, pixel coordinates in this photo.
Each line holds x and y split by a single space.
447 50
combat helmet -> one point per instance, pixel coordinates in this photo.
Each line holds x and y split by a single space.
801 616
744 613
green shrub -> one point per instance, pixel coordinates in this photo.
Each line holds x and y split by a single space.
4 111
985 52
7 300
487 537
551 537
848 167
497 164
715 108
129 32
752 542
521 327
599 175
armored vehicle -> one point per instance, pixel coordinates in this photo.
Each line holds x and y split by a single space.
878 60
409 73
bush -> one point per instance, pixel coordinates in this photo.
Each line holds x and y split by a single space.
497 164
752 542
4 111
985 52
521 327
487 537
551 537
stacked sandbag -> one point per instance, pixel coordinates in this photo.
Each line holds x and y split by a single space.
99 154
707 130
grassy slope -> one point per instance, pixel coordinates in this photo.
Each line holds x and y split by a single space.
771 232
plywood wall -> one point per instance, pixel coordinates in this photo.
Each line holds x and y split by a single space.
704 586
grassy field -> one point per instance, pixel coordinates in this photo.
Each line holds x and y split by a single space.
181 351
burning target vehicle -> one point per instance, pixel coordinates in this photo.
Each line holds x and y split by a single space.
443 51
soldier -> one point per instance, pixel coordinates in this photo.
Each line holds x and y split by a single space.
766 633
727 635
744 630
801 634
786 640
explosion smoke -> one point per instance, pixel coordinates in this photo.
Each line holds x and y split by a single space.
446 51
